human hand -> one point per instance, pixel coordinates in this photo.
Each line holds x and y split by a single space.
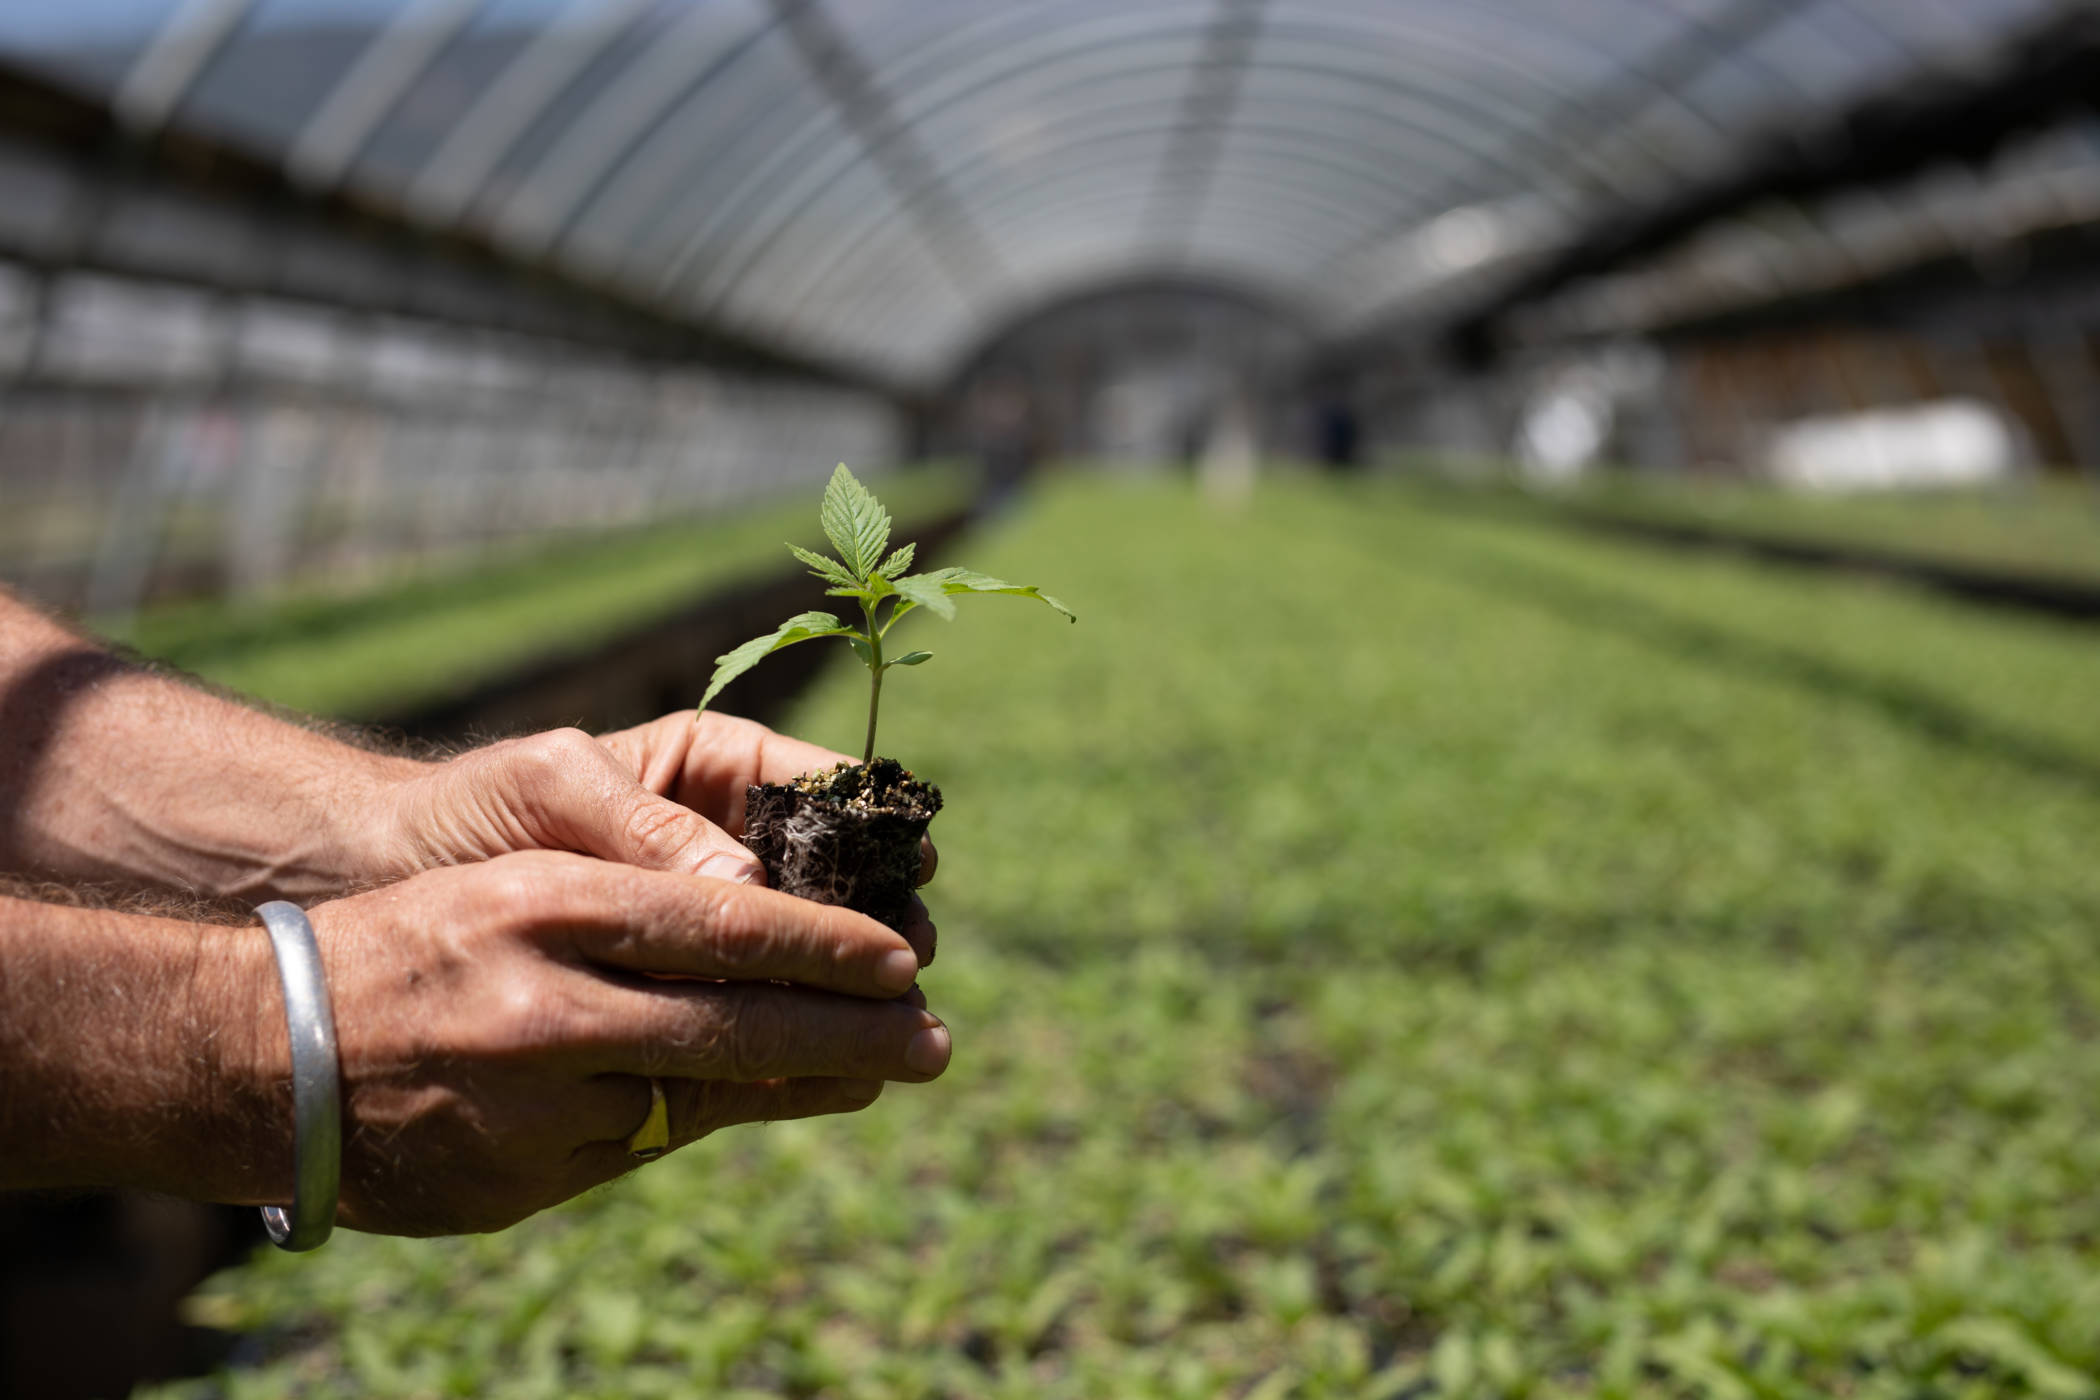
498 1024
707 765
667 795
559 790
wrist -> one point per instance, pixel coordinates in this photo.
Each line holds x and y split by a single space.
241 1069
361 833
124 777
141 1052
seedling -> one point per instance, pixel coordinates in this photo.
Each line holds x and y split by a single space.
859 529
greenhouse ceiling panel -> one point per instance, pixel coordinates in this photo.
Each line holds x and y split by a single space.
884 182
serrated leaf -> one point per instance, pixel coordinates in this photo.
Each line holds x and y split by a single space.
970 581
824 567
799 628
899 561
855 522
926 591
851 590
912 658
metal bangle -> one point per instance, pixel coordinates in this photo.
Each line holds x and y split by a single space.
317 1117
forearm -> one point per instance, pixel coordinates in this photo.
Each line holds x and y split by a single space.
113 773
140 1052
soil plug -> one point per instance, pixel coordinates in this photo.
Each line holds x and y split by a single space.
850 835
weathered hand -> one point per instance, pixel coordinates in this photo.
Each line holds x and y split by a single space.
560 790
705 765
497 1024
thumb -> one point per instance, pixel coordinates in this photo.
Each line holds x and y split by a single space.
641 828
574 795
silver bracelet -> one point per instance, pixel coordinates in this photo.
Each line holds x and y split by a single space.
317 1115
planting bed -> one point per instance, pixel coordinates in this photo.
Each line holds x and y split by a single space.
2043 530
1390 953
424 643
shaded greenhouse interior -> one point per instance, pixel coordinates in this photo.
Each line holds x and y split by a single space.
311 300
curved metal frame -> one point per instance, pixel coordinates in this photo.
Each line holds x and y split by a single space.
1025 180
611 158
1716 51
600 140
767 219
1208 103
172 59
1136 123
451 181
892 147
871 322
339 129
878 299
762 225
745 265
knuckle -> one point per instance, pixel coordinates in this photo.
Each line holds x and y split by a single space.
521 889
754 1042
657 831
731 731
523 1017
746 947
556 753
693 1041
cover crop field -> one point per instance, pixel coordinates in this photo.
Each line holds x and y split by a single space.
1390 952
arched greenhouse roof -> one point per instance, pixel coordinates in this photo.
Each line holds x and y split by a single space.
882 182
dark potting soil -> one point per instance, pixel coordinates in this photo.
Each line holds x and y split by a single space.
848 835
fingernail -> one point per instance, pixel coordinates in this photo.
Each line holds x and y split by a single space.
861 1090
726 865
928 1051
897 970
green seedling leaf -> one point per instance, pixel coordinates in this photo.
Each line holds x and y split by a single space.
898 562
859 529
799 628
970 581
855 522
924 591
824 567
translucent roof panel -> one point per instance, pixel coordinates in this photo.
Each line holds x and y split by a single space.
879 181
279 65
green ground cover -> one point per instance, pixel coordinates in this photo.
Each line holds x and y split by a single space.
430 635
2049 527
1391 952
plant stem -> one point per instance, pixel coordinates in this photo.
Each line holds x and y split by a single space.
875 669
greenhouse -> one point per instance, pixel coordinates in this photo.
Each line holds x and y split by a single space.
1556 858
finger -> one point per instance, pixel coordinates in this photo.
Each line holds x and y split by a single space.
769 757
612 1108
920 932
655 922
700 1106
567 792
746 1032
655 752
707 763
929 860
914 997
